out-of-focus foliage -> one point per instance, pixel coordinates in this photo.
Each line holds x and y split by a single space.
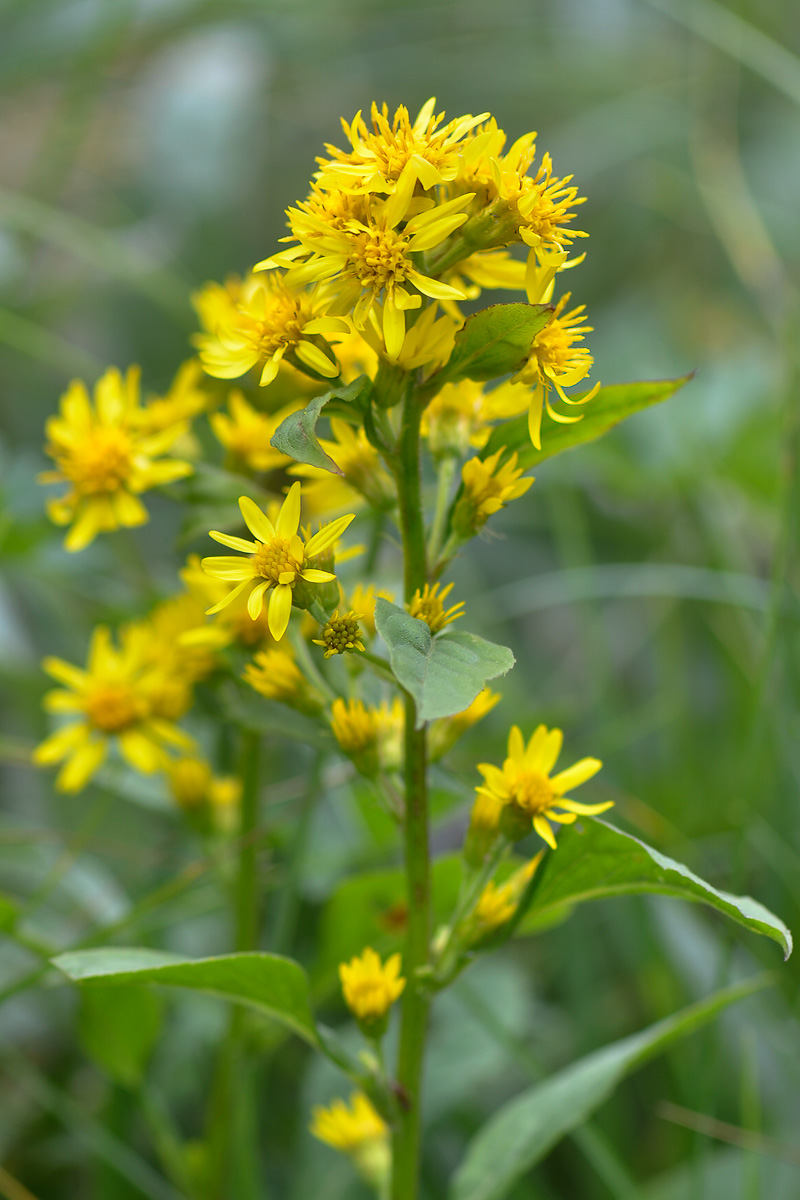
148 146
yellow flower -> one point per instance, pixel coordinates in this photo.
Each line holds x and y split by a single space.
430 340
349 1128
361 263
112 698
275 674
394 156
275 559
362 600
486 488
498 903
536 208
526 790
371 988
234 623
456 419
247 433
196 788
484 828
362 472
270 319
106 457
428 606
556 361
355 356
446 731
371 737
183 401
340 634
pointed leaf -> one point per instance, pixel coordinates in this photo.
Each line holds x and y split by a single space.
444 673
296 436
494 342
594 860
269 983
522 1132
611 405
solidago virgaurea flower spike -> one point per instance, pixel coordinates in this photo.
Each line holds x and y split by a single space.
111 700
555 361
275 560
107 456
527 791
370 988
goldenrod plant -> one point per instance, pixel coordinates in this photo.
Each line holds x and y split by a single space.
358 415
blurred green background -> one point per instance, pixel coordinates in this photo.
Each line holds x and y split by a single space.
647 584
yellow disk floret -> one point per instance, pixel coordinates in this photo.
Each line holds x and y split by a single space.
527 791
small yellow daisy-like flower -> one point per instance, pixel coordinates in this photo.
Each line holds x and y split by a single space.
362 473
370 988
183 401
112 699
446 731
556 361
275 674
195 787
366 267
247 433
233 624
371 737
394 156
341 634
269 320
526 789
428 606
106 457
362 600
487 487
455 419
498 903
348 1128
275 559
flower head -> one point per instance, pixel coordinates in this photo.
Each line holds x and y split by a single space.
268 320
349 1128
428 606
556 361
397 154
366 266
370 988
363 475
247 433
275 560
527 791
369 736
341 634
497 903
275 674
197 790
112 700
107 456
486 488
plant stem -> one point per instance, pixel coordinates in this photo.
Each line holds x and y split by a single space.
416 998
447 471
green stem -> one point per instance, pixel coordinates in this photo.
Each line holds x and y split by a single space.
416 998
447 471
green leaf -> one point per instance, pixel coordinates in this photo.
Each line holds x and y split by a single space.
269 983
610 406
522 1131
494 342
296 436
596 860
118 1027
8 914
444 673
